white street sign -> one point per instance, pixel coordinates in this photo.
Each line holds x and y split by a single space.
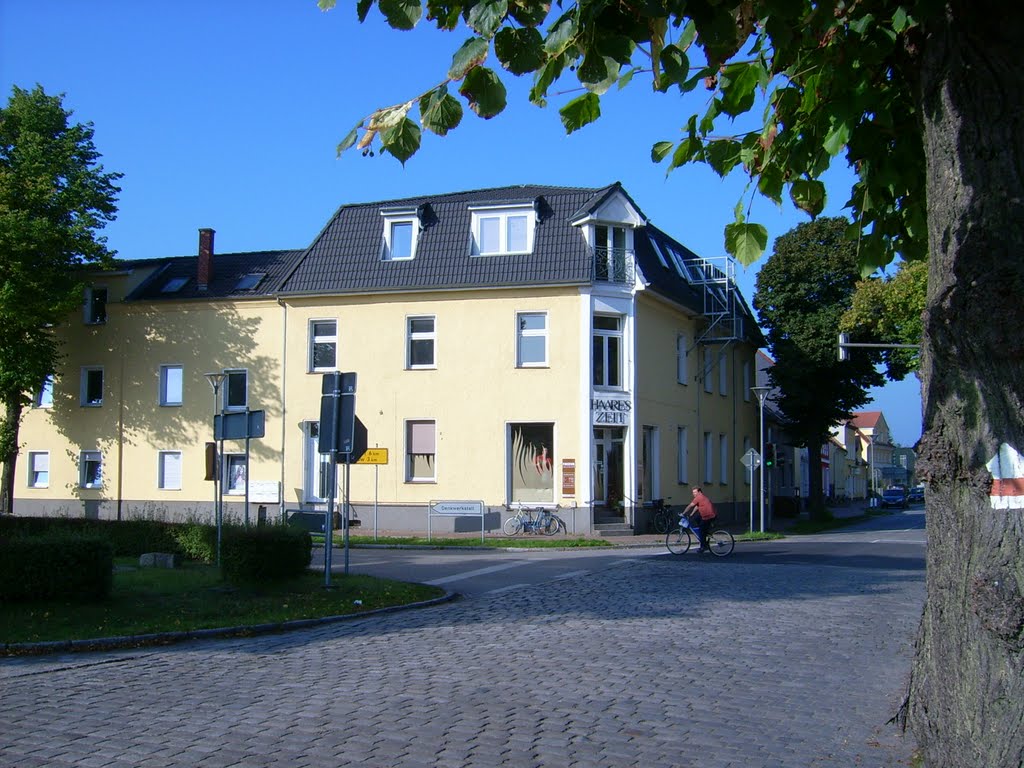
751 459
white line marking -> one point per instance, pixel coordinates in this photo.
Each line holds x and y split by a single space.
570 574
478 572
509 588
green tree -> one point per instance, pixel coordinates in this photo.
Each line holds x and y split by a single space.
924 98
889 310
54 198
802 291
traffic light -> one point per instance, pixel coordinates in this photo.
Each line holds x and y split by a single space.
769 455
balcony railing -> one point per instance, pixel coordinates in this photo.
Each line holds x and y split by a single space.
614 265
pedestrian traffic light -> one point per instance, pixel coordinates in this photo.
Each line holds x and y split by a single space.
769 455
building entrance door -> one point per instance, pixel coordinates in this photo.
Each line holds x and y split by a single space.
608 467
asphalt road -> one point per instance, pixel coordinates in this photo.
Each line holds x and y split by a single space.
791 653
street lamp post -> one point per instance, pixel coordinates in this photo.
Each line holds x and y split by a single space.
761 393
216 379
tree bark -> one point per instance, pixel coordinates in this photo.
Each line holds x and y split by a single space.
966 703
9 427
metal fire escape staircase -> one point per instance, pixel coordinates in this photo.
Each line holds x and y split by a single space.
723 305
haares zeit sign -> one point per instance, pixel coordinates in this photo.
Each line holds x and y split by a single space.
610 411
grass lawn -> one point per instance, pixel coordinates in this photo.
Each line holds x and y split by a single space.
154 600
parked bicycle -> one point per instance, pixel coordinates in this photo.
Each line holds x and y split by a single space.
719 541
525 521
663 519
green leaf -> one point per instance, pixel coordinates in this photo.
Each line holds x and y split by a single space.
401 14
722 155
484 92
440 112
660 150
739 86
560 36
580 111
838 136
519 50
386 118
808 195
530 14
349 140
543 79
401 140
675 67
769 183
471 54
746 242
686 150
445 15
626 78
486 16
900 19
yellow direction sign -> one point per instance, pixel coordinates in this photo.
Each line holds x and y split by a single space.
374 456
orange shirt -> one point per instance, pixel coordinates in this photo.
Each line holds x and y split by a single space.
704 506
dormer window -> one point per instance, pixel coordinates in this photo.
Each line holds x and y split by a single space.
401 231
250 281
503 230
174 285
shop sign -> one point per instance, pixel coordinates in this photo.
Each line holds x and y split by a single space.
610 410
568 477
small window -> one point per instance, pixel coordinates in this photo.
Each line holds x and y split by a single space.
531 339
709 364
95 305
709 459
169 471
401 231
746 381
92 386
607 351
250 281
323 345
171 383
723 374
90 470
38 469
236 390
682 457
234 474
43 397
420 342
174 285
502 231
681 368
723 459
420 450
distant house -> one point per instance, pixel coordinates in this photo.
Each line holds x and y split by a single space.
516 345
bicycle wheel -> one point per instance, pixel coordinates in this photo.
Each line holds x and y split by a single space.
679 541
720 542
513 525
550 527
661 522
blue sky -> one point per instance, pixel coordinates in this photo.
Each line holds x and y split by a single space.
227 115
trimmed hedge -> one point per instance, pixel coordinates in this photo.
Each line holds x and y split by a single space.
259 555
55 565
130 538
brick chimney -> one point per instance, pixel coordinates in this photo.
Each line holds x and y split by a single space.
205 272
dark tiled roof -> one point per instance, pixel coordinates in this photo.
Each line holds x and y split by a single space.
346 256
228 269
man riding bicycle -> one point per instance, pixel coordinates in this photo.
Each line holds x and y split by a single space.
700 512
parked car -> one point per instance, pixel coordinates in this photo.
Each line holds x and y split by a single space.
895 497
916 494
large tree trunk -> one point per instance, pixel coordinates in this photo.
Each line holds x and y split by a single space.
966 704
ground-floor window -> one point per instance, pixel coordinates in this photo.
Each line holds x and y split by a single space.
609 474
531 462
420 451
234 474
649 462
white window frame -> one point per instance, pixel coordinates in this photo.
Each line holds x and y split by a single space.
228 373
231 462
412 337
324 339
167 477
709 459
503 214
531 333
165 381
682 456
86 371
708 363
682 369
410 475
723 373
723 458
35 471
92 293
315 470
43 397
85 459
606 334
400 217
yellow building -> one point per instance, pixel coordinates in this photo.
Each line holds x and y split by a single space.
518 345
